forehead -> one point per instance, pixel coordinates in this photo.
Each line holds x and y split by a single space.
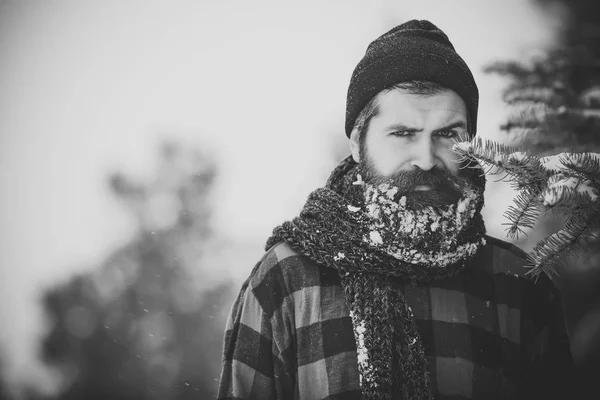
403 105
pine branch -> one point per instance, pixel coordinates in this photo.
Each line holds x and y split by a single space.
569 182
522 168
549 254
585 164
538 115
523 214
510 68
565 198
537 94
526 114
521 132
564 190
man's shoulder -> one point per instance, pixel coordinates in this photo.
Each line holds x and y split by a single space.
506 258
281 265
282 273
272 261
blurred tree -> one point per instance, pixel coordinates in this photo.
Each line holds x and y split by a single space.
147 324
4 395
554 107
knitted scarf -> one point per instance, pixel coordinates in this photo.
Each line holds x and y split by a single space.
375 244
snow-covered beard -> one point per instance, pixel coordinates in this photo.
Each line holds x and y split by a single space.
428 228
446 188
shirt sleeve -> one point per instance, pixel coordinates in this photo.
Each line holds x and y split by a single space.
252 368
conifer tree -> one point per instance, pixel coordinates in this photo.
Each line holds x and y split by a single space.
148 322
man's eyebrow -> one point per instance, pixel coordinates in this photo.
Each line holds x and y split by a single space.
459 124
401 127
405 128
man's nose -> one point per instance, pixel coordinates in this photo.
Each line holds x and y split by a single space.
423 156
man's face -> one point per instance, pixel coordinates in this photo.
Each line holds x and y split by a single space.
409 142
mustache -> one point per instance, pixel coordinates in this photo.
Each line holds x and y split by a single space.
445 188
436 178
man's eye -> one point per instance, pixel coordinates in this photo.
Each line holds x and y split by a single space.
448 134
401 133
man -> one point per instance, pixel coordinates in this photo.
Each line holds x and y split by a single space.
386 286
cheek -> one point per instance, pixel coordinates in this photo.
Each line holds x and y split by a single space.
388 157
450 160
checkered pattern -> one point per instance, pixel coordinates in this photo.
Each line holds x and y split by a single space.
487 333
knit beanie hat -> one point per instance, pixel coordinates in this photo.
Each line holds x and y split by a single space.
415 50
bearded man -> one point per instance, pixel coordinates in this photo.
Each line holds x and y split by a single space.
386 285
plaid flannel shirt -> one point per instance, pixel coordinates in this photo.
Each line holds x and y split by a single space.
488 332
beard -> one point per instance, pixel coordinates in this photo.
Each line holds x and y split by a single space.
423 227
444 187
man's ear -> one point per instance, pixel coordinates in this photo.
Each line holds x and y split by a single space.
355 145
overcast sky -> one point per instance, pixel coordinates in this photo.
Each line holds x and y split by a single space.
88 87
